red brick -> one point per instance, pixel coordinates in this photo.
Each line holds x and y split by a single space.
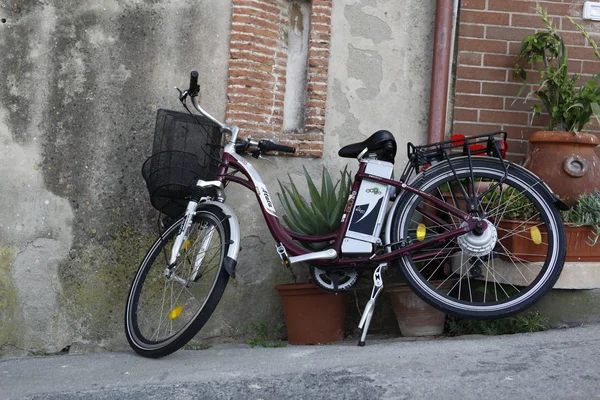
472 4
254 83
511 6
322 3
315 103
468 58
519 103
263 5
591 67
507 33
482 45
498 60
463 114
243 55
237 73
501 88
517 146
463 86
582 53
478 101
248 38
555 9
574 39
320 19
484 17
469 30
261 32
483 74
526 21
473 128
504 117
244 99
522 132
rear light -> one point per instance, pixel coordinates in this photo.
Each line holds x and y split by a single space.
456 139
478 149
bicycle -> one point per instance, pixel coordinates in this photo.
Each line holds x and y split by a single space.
441 228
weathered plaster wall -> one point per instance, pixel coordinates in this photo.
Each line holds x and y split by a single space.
82 82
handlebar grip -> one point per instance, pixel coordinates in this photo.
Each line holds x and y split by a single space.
267 145
194 88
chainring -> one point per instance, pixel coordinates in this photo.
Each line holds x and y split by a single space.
334 280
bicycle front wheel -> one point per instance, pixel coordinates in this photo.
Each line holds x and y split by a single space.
488 275
165 309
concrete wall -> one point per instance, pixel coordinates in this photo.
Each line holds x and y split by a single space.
82 82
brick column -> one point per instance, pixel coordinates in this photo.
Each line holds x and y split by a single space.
257 72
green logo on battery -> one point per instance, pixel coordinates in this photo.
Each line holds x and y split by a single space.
374 190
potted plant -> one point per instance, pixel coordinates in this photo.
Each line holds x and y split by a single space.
414 316
312 315
522 236
562 155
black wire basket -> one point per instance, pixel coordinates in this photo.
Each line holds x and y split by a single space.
186 148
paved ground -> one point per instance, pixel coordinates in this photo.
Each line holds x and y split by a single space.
556 364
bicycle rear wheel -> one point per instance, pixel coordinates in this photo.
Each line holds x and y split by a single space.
164 313
489 278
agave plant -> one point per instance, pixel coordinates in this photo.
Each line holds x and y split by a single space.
324 211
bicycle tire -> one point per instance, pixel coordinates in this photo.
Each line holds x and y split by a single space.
154 299
483 286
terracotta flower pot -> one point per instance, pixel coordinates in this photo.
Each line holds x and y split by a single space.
415 317
566 162
312 316
521 244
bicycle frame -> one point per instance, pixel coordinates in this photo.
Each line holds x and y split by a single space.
286 237
331 257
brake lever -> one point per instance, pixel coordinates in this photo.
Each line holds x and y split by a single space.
182 95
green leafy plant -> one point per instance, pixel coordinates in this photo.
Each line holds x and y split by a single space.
529 322
516 205
324 211
265 336
570 107
586 212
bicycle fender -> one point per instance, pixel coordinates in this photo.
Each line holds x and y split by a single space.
561 205
230 260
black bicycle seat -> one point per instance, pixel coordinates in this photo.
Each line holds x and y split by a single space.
381 142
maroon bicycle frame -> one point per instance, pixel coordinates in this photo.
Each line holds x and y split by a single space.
286 237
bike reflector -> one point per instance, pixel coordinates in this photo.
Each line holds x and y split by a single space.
176 312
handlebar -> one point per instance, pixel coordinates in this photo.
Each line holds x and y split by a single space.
194 88
240 145
267 145
263 146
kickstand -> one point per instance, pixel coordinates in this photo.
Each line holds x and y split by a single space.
365 320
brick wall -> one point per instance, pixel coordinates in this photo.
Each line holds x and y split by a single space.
257 72
490 32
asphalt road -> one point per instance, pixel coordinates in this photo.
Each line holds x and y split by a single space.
558 364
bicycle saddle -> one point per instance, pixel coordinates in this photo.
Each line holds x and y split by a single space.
381 142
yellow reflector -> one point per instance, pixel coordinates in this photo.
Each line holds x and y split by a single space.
536 236
175 312
185 245
421 232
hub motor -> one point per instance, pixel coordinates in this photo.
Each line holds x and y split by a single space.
479 245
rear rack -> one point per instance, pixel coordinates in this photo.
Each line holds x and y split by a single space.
425 155
489 144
